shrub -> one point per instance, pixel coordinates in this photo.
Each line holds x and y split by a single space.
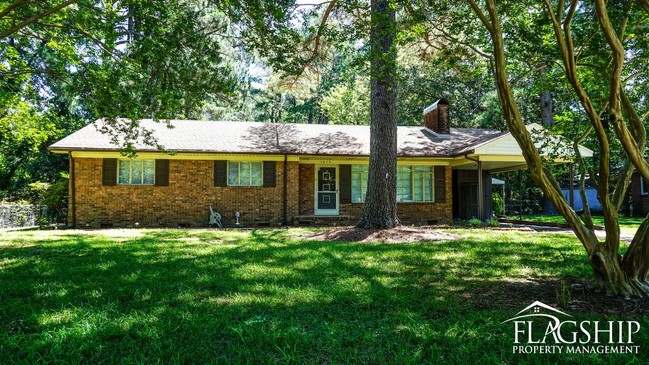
54 196
475 222
497 203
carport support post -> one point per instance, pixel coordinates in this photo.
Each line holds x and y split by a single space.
503 195
520 196
480 192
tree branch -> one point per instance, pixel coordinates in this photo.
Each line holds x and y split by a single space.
29 21
630 144
11 7
84 33
316 45
644 4
483 18
566 48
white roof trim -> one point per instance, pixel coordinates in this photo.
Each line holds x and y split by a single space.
488 147
431 107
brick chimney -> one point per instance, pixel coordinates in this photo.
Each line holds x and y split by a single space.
436 118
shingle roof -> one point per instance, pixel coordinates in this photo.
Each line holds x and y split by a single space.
252 137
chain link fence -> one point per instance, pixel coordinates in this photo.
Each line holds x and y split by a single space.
15 215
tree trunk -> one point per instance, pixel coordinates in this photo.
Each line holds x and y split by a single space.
380 209
635 263
547 117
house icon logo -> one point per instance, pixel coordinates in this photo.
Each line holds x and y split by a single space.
542 329
539 309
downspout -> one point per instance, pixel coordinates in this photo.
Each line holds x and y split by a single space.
73 191
285 192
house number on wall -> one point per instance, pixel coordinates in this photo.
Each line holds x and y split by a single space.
325 162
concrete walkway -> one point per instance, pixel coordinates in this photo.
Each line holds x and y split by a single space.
624 236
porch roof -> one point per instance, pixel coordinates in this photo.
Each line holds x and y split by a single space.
502 153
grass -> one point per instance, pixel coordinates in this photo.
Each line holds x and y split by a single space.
266 296
627 224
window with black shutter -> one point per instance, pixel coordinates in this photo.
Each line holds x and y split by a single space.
270 173
440 184
109 172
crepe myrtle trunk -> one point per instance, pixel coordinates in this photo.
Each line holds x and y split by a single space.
380 208
622 275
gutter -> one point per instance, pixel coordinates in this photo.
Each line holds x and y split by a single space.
466 155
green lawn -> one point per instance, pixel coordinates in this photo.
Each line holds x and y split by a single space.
265 296
627 224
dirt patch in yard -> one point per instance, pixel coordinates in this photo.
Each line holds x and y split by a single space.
394 235
516 295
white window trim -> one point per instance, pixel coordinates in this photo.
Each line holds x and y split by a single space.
363 177
227 176
130 173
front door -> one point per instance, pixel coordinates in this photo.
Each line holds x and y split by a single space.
468 200
326 190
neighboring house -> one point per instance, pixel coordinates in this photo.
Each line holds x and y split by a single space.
577 204
639 192
281 173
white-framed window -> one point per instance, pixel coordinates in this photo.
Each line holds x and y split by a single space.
422 183
245 173
404 183
136 172
643 187
359 183
414 183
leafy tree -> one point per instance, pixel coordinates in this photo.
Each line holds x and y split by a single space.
65 63
348 103
620 274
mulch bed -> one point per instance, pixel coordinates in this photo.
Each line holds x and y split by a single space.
517 295
395 235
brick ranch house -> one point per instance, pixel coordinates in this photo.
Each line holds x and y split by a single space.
280 173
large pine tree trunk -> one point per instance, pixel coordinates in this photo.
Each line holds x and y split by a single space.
380 209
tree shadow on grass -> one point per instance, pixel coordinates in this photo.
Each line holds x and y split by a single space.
259 296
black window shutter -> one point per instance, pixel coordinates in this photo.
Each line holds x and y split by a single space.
270 173
162 172
440 184
109 172
220 173
345 183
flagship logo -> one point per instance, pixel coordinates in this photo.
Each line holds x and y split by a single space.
541 329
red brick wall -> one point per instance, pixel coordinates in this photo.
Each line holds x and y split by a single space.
186 200
307 187
191 191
